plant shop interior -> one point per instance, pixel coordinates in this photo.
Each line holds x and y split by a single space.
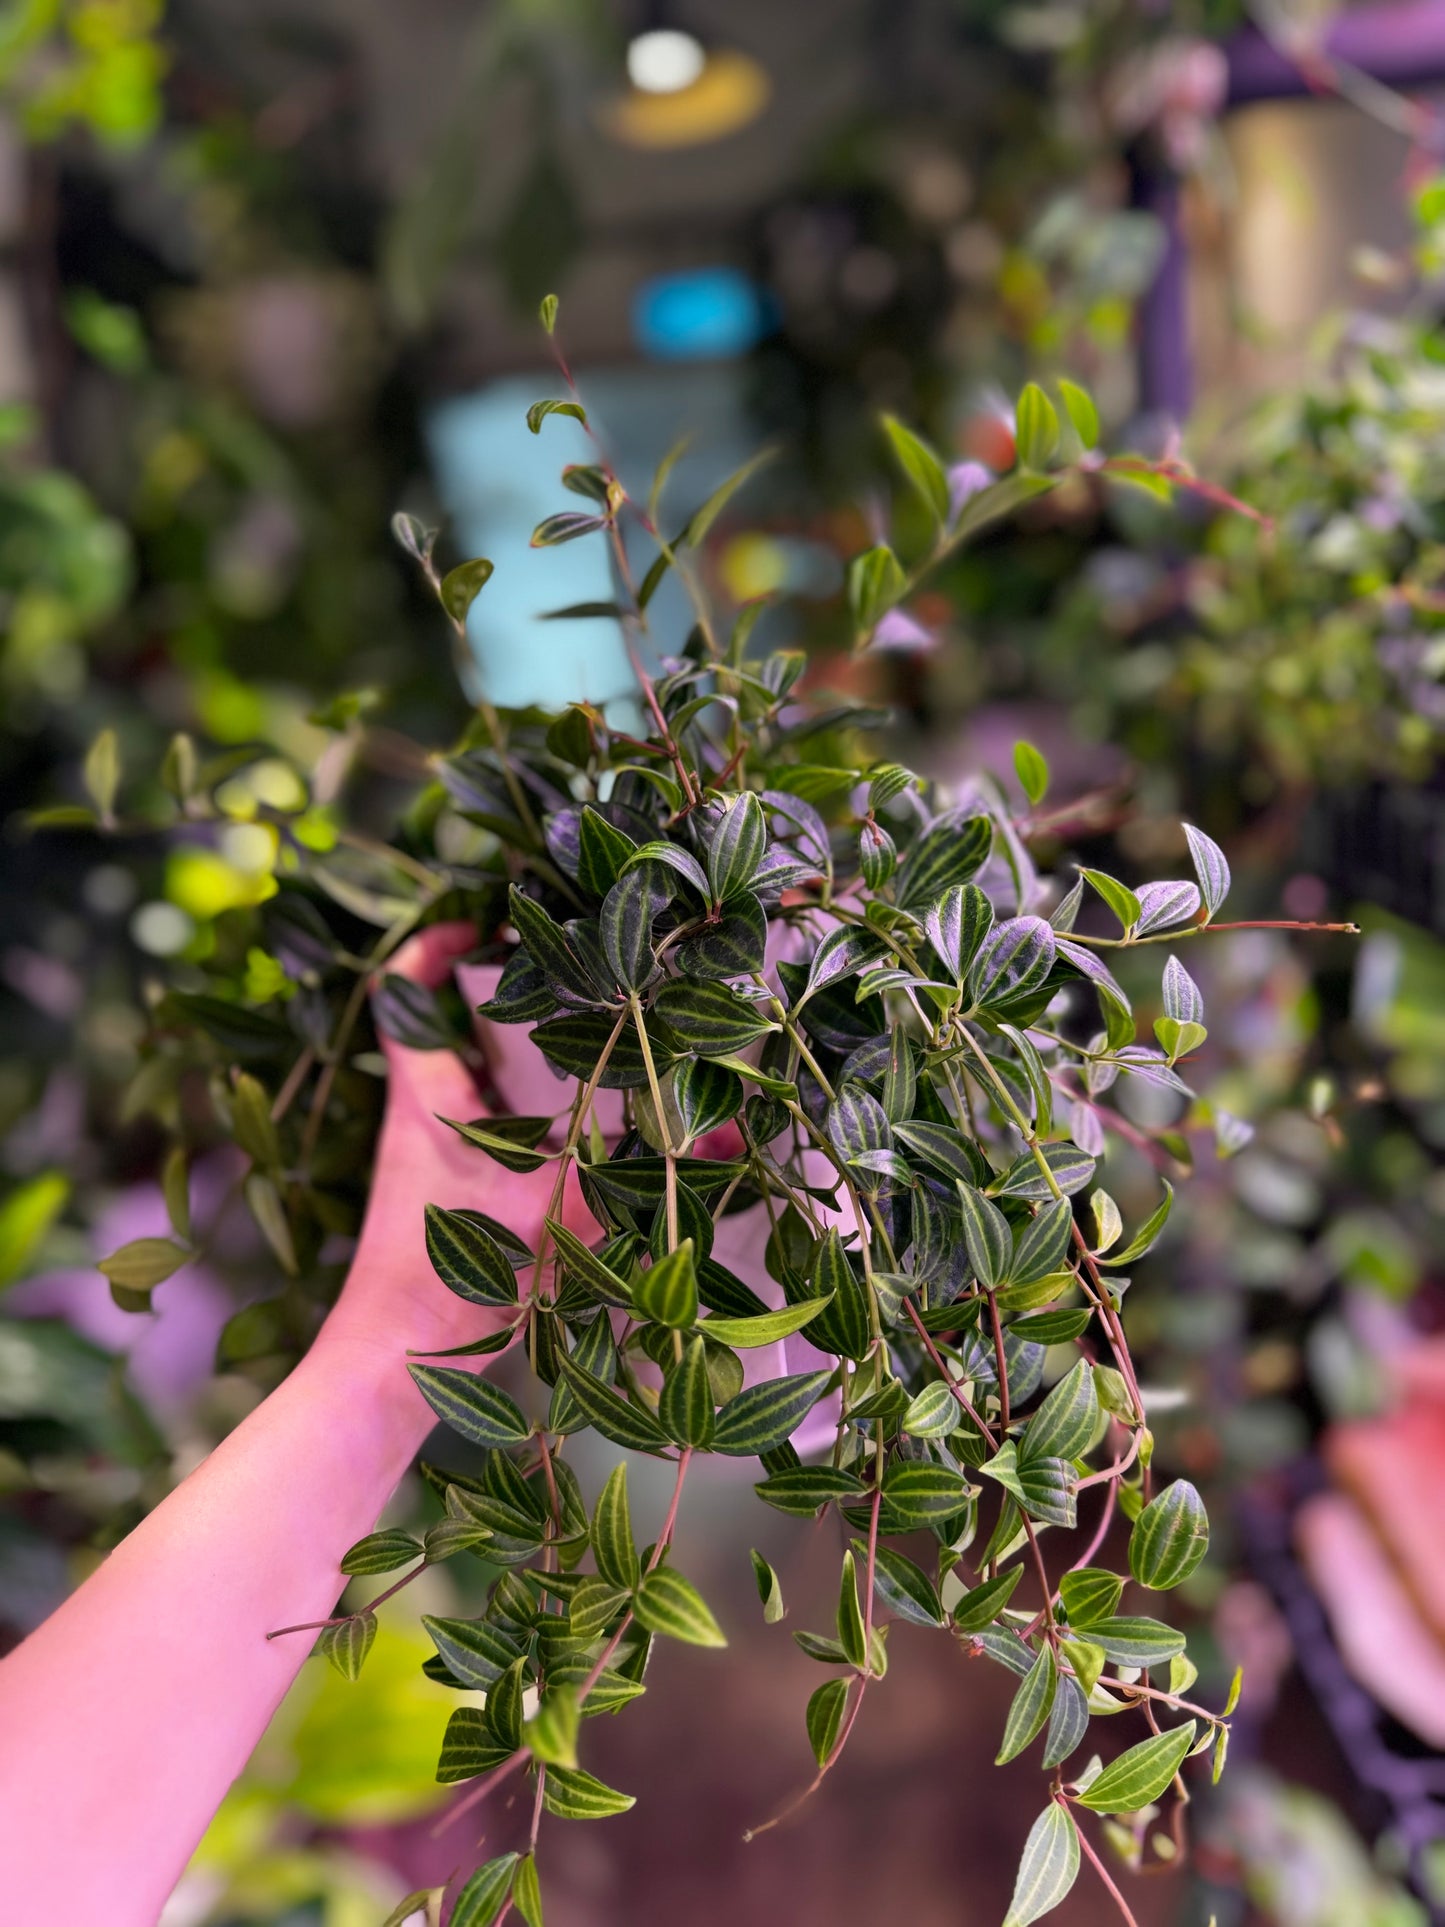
722 963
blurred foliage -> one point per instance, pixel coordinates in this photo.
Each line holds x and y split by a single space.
96 63
194 543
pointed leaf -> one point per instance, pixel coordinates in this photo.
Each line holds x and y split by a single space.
957 924
572 1794
613 1416
983 1605
686 1404
770 1592
986 1235
764 1416
485 1894
920 465
667 1291
612 1542
467 1259
668 1604
470 1405
875 582
1014 958
1048 1869
1170 1537
737 847
1090 1594
1082 411
1137 1778
710 1019
626 925
347 1644
825 1718
381 1552
1210 866
1030 1708
473 1651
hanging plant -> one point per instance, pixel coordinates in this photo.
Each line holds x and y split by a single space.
772 976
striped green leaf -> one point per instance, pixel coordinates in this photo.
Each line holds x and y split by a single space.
347 1644
467 1259
612 1542
1042 1243
737 847
485 1894
745 1334
1013 959
1090 1594
851 1635
588 1269
380 1552
710 1019
803 1490
765 1416
573 1794
1048 1869
1135 1640
470 1405
1137 1778
666 1292
1068 1721
919 1494
469 1747
668 1604
686 1403
1030 1707
825 1717
904 1588
957 924
983 1605
625 922
473 1651
932 1413
613 1416
948 853
602 849
843 1325
1170 1537
1210 867
1064 1424
986 1236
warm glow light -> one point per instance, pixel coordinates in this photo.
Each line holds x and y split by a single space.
727 92
664 61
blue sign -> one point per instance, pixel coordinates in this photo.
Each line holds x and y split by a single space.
701 314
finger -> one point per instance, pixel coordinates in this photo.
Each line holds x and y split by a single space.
429 1080
524 1080
429 956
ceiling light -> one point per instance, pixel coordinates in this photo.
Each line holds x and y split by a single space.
682 94
664 61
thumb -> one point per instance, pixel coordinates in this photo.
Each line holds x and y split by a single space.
428 1080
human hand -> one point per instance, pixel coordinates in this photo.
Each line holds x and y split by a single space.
392 1298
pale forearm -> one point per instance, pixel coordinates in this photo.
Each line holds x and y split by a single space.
125 1717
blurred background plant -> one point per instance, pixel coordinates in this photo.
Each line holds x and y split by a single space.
268 274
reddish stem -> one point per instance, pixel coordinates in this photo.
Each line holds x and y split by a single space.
1103 1872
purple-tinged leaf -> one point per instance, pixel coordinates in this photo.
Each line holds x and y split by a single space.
1210 866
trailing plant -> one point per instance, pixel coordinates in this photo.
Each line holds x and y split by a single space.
771 973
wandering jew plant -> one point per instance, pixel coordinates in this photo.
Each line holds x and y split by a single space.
766 970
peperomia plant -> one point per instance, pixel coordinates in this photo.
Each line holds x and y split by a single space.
773 977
